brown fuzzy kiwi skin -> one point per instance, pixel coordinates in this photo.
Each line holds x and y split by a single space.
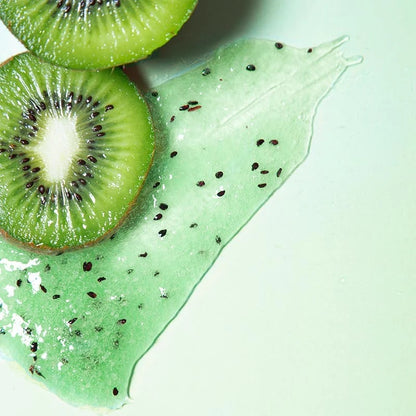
45 249
9 59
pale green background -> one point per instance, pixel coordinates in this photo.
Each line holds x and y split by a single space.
311 310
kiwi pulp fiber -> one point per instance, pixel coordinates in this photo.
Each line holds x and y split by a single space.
94 34
75 148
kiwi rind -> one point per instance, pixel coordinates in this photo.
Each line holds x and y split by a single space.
83 37
29 62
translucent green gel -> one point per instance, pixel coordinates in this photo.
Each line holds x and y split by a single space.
230 132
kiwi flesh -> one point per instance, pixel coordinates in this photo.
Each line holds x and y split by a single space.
94 34
75 148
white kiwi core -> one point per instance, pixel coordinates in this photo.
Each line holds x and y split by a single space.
59 146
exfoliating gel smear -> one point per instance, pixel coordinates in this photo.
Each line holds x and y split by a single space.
229 133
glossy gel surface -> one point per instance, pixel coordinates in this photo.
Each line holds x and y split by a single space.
230 132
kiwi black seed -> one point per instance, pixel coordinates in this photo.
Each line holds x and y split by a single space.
67 178
94 34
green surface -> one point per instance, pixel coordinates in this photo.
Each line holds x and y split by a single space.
88 316
311 308
112 142
94 36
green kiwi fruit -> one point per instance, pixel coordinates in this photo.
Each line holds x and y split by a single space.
75 148
94 34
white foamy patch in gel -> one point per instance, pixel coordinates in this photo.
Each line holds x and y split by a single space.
163 293
18 329
10 290
39 330
61 340
11 266
35 280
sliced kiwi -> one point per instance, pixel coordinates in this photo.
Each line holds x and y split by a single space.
94 34
75 148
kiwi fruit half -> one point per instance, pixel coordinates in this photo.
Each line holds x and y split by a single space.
75 148
94 34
